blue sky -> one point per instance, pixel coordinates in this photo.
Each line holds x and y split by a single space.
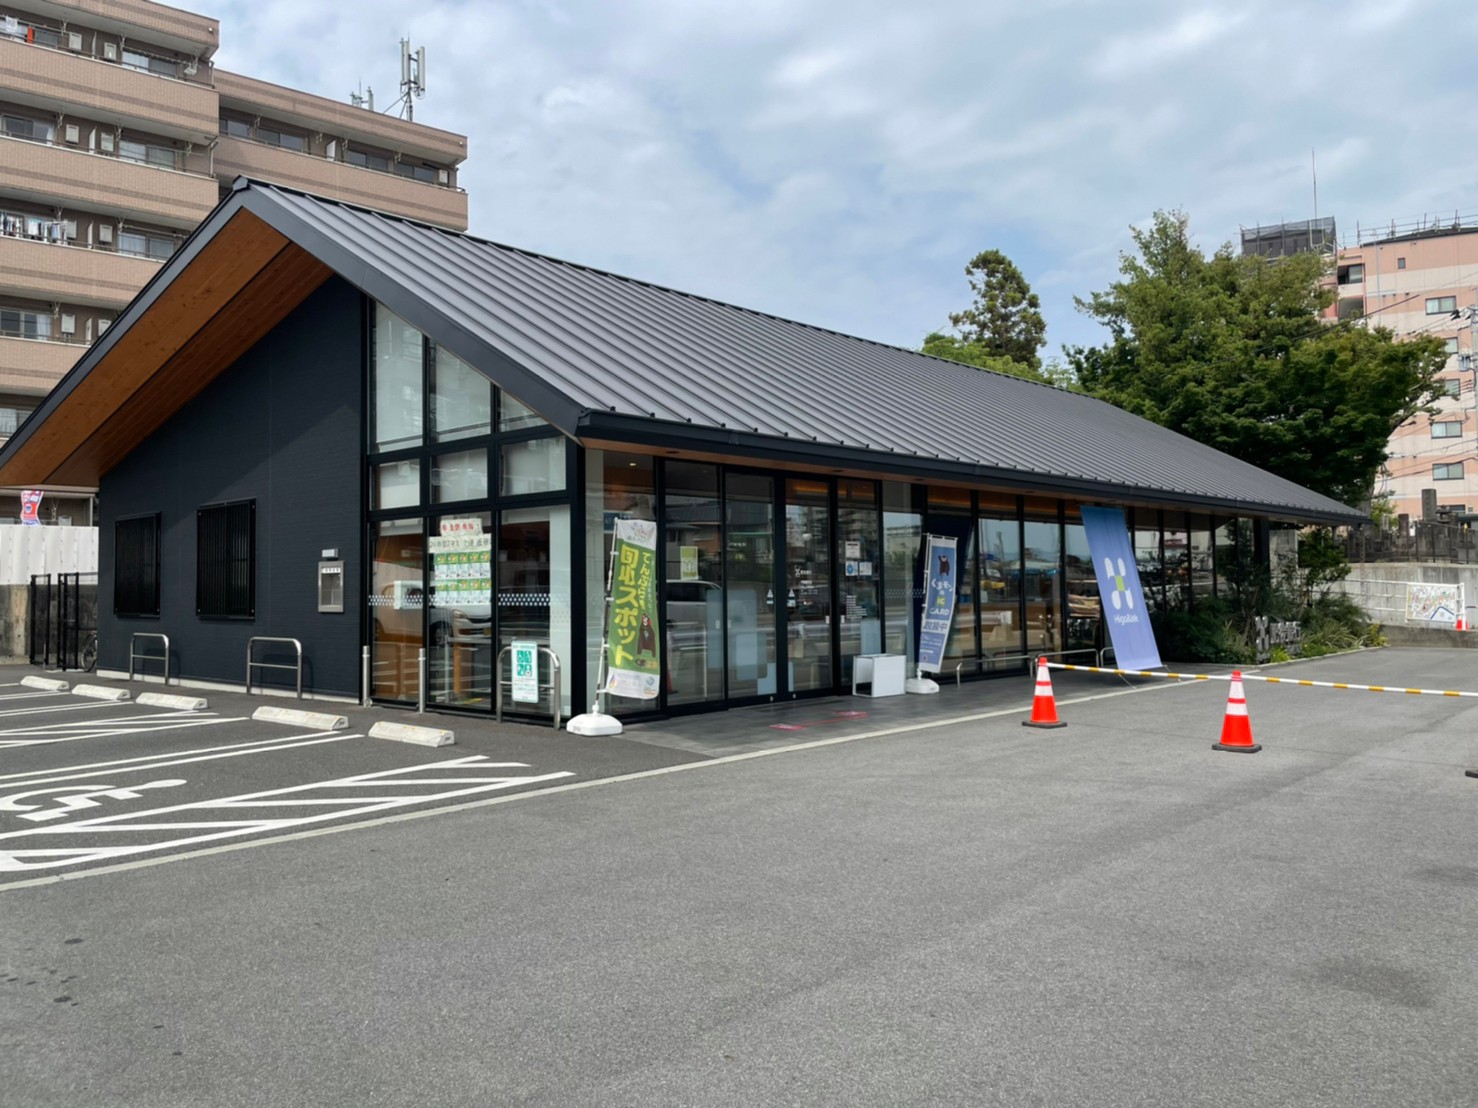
839 162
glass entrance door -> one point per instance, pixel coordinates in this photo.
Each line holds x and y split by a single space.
749 578
397 603
808 595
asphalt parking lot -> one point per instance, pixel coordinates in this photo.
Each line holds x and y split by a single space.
86 783
870 910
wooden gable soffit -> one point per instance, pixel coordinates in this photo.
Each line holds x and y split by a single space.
239 286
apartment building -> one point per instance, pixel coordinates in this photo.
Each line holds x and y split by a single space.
1421 278
118 135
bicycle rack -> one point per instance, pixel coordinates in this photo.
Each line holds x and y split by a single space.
250 665
134 655
555 686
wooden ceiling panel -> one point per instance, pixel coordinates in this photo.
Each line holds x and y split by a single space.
230 261
280 287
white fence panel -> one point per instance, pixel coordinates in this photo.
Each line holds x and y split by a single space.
25 551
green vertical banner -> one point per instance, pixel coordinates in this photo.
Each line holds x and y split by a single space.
633 658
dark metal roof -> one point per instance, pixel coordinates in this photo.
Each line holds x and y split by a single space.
604 357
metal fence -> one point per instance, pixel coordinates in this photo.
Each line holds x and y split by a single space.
62 613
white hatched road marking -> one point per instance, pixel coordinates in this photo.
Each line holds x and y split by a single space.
16 858
47 734
147 763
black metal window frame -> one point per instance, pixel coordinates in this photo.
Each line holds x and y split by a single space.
226 560
136 566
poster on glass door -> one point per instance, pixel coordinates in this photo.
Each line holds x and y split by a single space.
940 574
633 657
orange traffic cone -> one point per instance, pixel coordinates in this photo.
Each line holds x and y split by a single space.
1462 624
1044 707
1236 728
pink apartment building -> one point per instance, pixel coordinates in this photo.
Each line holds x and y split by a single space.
1422 279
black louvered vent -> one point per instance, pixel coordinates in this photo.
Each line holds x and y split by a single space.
136 566
226 560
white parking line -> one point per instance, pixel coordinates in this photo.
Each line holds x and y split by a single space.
52 733
71 704
18 858
148 763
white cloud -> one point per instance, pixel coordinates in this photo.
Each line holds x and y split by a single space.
839 162
1133 53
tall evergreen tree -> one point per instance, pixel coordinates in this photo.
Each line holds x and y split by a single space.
1234 351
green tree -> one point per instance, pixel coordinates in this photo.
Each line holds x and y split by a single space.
978 354
1233 351
1005 320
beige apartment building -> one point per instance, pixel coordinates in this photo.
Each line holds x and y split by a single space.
1421 278
118 135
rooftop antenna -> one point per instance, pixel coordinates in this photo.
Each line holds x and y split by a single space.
412 78
365 100
1314 172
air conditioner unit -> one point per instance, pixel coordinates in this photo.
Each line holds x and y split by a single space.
110 51
105 232
105 141
442 176
74 40
69 228
72 133
69 324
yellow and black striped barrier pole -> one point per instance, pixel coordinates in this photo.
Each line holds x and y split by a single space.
1267 680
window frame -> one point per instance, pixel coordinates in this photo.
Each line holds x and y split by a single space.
218 568
1447 434
1445 305
1441 471
137 589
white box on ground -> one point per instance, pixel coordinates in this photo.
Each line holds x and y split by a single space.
878 674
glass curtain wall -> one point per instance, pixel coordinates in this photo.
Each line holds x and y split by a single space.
1202 575
1084 606
1147 557
459 643
808 581
859 572
999 552
617 486
491 562
397 604
903 532
951 513
749 578
695 583
1177 541
1042 576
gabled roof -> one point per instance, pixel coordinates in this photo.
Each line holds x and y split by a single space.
607 359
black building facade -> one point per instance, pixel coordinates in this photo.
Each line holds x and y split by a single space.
367 434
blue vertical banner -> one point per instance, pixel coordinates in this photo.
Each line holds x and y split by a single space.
1118 585
940 575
